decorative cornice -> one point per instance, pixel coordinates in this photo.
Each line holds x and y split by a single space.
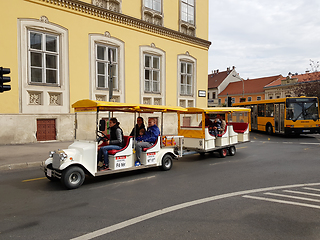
119 18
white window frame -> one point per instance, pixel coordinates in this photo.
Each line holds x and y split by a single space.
46 93
106 63
152 71
153 4
185 83
187 58
111 42
43 53
152 96
188 5
249 99
258 98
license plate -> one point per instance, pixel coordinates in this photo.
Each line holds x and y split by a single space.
49 172
305 130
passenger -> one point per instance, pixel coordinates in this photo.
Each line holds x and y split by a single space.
222 124
138 127
207 122
141 133
212 131
116 142
215 127
149 138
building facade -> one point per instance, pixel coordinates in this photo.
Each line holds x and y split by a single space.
217 82
247 90
61 51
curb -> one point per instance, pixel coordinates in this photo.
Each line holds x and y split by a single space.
17 166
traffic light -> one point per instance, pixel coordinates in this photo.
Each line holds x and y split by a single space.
229 102
3 79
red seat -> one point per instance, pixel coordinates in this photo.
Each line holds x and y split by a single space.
126 140
239 127
221 134
155 143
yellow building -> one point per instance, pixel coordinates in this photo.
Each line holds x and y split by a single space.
59 52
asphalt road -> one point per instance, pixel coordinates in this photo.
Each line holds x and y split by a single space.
269 190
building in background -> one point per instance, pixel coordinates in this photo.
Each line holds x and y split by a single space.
60 52
247 90
217 82
291 86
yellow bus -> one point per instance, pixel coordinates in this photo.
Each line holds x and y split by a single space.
290 115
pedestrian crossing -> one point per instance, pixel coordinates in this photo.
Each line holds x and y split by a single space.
303 196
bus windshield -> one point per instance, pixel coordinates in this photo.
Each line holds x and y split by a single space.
302 109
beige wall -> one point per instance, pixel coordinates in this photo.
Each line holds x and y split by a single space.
79 26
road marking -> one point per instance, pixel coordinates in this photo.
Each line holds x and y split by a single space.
301 143
34 179
282 201
134 180
294 197
314 189
309 194
147 216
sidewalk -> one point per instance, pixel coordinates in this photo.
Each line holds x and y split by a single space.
21 156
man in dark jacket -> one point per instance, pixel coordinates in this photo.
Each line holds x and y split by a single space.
149 138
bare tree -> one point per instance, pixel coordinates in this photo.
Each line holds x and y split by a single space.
310 84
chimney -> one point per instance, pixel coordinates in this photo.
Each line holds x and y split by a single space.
233 67
228 69
217 70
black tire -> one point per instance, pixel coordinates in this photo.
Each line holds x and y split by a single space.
202 154
232 150
166 163
72 177
223 152
269 129
53 179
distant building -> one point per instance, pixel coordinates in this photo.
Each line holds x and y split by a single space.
283 87
217 82
247 90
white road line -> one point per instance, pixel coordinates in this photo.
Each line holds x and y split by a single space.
294 197
282 201
313 189
117 183
138 219
304 193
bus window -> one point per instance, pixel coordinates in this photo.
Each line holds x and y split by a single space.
269 109
261 110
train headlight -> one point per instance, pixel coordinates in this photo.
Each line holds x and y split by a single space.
51 154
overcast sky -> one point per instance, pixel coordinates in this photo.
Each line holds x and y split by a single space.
264 37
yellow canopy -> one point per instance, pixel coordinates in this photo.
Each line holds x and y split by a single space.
218 110
87 105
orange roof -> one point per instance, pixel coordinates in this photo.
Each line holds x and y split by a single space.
250 86
215 79
306 77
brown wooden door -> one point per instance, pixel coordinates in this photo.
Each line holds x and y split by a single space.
46 129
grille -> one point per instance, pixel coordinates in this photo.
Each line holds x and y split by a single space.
56 161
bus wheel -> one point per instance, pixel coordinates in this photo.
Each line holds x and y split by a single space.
72 177
223 152
166 163
232 150
269 128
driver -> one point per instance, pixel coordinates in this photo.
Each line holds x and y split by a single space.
116 142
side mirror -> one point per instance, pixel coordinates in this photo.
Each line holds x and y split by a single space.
102 125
